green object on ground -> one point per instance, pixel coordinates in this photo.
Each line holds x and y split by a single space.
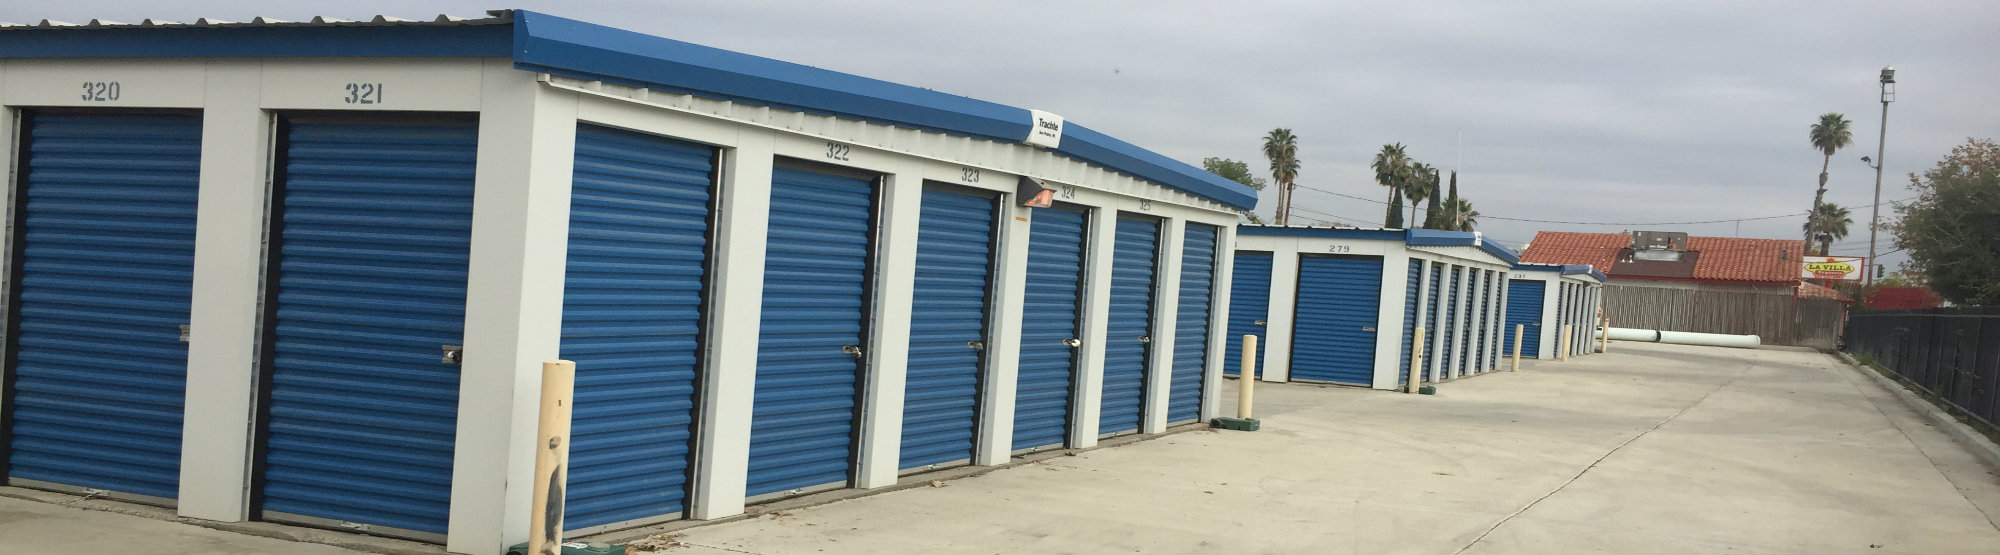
575 548
1427 390
1239 424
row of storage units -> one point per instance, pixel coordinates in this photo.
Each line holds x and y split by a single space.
308 273
1344 306
1542 298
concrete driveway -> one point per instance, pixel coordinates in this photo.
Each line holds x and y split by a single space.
1647 449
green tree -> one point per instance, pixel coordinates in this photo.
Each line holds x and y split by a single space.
1434 214
1235 171
1392 169
1282 149
1232 170
1827 224
1419 186
1459 215
1828 136
1949 228
1395 219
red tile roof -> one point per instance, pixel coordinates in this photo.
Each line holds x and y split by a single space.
1722 258
1562 247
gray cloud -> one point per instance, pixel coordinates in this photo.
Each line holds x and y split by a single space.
1570 111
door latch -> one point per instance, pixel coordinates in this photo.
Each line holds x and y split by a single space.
1145 339
1367 328
454 354
1073 342
187 332
976 344
1260 322
852 350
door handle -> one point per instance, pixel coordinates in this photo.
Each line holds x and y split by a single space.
1073 342
852 350
976 344
1260 322
1367 328
453 354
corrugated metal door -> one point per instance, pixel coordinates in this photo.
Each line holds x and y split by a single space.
1191 323
1333 334
1451 327
105 259
1045 387
1412 282
1524 308
1129 334
632 321
947 326
1249 305
1480 350
1434 332
813 332
375 227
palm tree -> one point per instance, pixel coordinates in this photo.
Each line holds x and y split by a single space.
1421 185
1392 169
1828 136
1282 149
1827 224
1462 216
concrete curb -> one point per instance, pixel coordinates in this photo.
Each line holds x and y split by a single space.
1959 432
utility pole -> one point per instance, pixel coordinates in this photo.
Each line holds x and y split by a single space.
1875 216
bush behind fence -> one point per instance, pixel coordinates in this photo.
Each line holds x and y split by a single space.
1951 353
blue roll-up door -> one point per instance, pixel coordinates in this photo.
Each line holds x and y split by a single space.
1480 349
1045 385
947 327
1410 286
816 270
1562 316
1524 308
1249 305
1333 334
1129 333
632 322
1451 327
105 262
1433 332
1191 323
376 225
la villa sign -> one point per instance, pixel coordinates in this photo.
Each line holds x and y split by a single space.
1845 268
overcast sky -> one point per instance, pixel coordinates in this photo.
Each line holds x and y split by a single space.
1585 111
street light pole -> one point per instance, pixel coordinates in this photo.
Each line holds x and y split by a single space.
1875 216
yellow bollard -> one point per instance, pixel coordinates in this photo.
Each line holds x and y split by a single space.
545 519
1417 360
1245 390
1519 329
1604 343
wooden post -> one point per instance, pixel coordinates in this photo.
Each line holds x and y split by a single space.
1519 329
1245 388
1417 360
545 518
1563 353
1604 343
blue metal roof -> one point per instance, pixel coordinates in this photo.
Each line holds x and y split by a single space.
1562 269
545 43
1412 237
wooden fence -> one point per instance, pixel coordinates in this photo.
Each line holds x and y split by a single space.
1778 319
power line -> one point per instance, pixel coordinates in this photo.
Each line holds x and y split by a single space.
1530 220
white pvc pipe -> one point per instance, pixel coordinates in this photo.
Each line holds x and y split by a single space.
1684 338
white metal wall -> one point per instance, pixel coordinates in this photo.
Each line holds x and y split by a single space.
526 134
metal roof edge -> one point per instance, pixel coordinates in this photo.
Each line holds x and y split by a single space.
483 38
1440 238
1326 232
1089 145
1537 267
579 49
1499 251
